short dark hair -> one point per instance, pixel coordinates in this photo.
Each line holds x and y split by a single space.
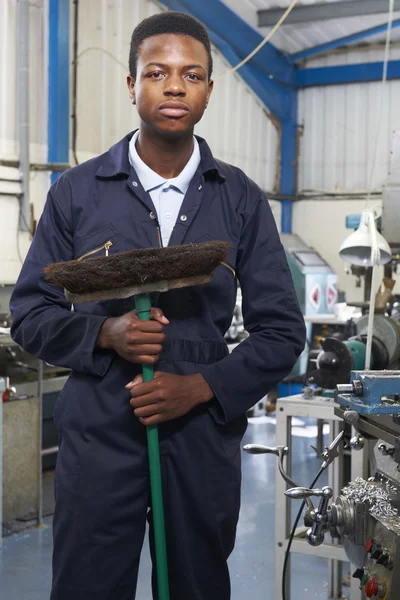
168 22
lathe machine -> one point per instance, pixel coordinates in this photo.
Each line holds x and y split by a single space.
365 517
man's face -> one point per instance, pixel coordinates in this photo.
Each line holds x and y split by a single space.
172 87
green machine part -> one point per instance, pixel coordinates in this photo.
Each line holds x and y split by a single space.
358 350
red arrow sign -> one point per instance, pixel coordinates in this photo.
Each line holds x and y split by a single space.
331 295
315 296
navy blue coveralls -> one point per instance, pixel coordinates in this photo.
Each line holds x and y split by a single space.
102 480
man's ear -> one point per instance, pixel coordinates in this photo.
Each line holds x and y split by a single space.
131 87
210 89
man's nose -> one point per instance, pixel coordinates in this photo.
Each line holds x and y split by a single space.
174 86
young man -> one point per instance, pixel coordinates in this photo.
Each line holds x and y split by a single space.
159 185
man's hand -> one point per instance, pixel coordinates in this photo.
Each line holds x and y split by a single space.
168 396
135 340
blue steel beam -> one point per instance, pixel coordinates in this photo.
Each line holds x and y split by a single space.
346 74
242 38
343 41
58 92
288 174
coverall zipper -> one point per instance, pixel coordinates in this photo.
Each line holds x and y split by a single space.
105 247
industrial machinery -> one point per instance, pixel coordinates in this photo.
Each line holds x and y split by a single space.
365 515
314 280
315 285
20 372
337 358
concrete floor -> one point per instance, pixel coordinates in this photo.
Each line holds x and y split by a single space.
25 560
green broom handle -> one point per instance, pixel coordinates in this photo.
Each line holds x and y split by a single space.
143 307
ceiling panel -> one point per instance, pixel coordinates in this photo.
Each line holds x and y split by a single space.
294 38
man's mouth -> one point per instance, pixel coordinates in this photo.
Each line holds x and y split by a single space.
174 110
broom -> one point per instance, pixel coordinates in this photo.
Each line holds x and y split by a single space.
138 273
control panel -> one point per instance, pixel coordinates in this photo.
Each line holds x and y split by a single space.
378 577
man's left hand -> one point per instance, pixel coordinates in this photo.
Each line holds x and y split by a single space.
167 396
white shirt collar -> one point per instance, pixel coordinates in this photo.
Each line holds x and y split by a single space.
150 179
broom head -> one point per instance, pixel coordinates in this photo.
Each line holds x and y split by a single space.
143 270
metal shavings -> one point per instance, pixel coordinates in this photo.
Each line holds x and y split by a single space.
376 497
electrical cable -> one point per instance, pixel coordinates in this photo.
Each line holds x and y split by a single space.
292 534
375 253
107 52
381 97
261 44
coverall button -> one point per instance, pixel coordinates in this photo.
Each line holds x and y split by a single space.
200 187
152 215
183 218
134 183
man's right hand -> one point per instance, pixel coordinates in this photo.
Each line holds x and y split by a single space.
135 340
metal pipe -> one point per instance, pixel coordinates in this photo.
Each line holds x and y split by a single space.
48 451
23 111
53 166
49 166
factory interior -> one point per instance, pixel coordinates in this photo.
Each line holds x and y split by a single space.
304 104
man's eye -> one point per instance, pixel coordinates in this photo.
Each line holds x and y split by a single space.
156 75
194 77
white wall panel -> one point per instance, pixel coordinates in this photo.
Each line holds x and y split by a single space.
339 145
235 124
38 40
8 67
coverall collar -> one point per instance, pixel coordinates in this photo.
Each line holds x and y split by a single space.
115 163
151 180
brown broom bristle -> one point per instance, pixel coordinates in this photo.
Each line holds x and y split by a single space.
137 267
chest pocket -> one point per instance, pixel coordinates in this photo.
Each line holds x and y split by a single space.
103 242
230 262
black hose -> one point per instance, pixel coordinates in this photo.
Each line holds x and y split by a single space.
292 534
75 82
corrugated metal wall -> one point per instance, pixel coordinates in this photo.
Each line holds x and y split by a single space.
340 129
235 124
13 243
